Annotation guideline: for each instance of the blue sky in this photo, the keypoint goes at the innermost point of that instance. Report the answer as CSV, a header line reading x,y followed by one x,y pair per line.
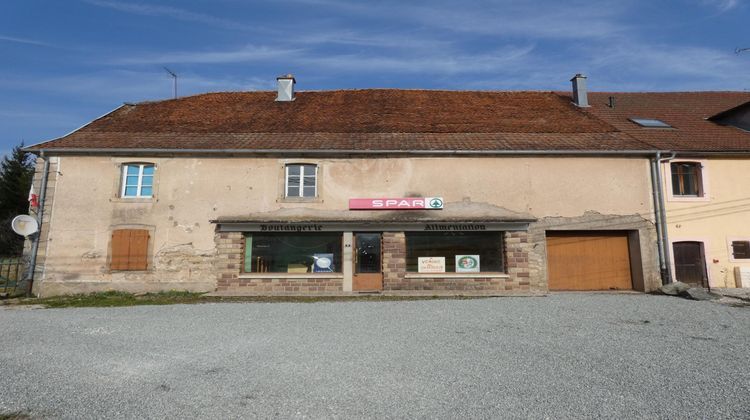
x,y
64,63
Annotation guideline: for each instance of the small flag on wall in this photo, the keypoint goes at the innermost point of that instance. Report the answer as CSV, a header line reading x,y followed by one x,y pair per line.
x,y
33,198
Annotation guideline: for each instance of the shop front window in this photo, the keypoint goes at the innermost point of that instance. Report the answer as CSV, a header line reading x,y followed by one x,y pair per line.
x,y
292,253
459,252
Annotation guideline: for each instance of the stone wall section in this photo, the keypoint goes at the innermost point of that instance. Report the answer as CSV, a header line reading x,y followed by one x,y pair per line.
x,y
394,261
229,246
517,263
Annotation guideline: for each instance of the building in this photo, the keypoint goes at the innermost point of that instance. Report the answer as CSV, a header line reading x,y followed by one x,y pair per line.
x,y
399,191
704,139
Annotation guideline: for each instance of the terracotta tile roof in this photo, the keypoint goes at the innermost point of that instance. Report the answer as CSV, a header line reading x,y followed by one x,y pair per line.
x,y
371,119
686,112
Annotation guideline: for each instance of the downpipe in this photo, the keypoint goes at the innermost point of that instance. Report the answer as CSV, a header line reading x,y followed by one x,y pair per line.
x,y
662,218
657,218
38,234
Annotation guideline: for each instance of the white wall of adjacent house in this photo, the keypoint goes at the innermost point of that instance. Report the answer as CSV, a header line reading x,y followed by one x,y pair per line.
x,y
717,219
188,192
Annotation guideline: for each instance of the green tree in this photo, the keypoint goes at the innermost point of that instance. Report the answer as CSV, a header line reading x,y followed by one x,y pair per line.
x,y
16,173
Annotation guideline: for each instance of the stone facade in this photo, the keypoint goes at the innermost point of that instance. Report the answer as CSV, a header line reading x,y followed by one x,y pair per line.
x,y
394,260
186,253
517,248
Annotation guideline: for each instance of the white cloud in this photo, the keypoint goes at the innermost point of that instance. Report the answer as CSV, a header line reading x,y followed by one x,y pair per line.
x,y
669,67
24,41
241,55
435,62
556,20
115,87
170,12
722,5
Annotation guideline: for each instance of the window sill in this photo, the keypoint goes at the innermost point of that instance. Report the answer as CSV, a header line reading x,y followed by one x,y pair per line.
x,y
688,198
147,271
456,275
290,275
300,200
133,200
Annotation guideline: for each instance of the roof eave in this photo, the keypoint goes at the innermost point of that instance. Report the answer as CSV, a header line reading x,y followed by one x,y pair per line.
x,y
319,152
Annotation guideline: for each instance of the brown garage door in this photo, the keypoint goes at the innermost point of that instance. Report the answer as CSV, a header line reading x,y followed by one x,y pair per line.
x,y
588,261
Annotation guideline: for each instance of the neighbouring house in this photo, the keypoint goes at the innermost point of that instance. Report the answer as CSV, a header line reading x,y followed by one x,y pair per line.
x,y
396,191
704,140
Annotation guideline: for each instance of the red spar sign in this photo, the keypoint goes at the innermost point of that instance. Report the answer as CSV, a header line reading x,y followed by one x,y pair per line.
x,y
407,203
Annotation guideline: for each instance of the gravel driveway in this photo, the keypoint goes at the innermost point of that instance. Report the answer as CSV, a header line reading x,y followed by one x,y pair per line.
x,y
562,356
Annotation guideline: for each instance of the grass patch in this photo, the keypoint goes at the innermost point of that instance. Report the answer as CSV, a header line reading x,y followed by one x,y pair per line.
x,y
14,416
114,299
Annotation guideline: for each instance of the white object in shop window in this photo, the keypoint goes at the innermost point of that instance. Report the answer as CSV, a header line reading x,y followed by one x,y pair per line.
x,y
431,264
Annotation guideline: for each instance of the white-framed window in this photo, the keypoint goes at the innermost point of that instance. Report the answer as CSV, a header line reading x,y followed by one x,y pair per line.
x,y
687,180
301,180
137,180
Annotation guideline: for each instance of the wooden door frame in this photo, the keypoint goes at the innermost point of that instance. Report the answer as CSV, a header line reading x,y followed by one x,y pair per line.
x,y
355,260
706,245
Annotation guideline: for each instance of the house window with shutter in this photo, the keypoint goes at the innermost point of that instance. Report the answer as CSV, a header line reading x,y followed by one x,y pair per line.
x,y
130,250
687,179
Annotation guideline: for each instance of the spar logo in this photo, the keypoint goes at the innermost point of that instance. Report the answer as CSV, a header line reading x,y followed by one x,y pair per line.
x,y
467,262
435,203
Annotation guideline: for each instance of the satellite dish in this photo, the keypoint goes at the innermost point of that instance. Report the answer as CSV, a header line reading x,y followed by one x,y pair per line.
x,y
24,225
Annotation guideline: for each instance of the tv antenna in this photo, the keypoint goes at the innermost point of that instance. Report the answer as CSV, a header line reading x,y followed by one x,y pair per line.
x,y
174,85
739,50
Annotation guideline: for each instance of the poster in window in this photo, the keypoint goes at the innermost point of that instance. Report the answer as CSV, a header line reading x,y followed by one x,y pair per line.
x,y
431,264
467,263
323,263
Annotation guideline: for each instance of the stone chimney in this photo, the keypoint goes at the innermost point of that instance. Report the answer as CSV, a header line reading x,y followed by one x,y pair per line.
x,y
580,91
285,87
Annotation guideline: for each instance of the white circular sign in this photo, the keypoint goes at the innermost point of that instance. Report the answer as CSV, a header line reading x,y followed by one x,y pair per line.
x,y
323,262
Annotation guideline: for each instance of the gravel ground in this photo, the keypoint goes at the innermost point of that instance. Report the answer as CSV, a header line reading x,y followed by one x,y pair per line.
x,y
562,356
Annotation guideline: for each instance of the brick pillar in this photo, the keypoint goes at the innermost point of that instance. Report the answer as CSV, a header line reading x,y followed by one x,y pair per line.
x,y
517,249
229,247
394,260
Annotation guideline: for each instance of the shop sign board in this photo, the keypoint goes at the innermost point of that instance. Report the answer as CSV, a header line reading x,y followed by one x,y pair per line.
x,y
406,203
467,263
359,226
431,264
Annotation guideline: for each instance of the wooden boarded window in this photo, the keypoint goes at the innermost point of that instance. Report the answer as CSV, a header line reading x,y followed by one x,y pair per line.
x,y
129,249
741,250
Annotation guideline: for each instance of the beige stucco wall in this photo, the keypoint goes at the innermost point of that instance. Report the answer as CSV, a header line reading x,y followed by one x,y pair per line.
x,y
188,192
722,215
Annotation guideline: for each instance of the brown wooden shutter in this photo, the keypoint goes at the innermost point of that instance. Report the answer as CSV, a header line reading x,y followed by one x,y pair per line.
x,y
138,250
129,249
120,249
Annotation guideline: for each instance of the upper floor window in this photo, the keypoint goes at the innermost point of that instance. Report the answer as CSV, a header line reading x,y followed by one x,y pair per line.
x,y
137,180
687,179
301,180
